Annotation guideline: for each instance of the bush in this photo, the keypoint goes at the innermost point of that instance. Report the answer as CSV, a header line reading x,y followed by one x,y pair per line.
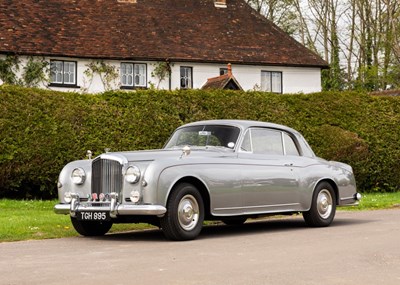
x,y
42,130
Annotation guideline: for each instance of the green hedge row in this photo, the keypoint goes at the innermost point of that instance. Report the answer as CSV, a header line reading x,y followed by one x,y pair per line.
x,y
41,130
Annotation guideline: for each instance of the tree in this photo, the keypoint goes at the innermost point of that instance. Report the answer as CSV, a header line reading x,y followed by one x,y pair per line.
x,y
360,39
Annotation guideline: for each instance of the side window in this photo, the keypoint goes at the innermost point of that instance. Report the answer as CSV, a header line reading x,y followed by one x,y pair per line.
x,y
246,144
263,141
290,146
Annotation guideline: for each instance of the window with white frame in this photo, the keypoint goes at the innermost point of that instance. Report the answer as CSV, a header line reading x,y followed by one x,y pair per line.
x,y
269,142
133,74
271,81
62,72
186,77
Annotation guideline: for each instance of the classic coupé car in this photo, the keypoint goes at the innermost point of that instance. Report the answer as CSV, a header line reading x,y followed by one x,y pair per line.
x,y
227,170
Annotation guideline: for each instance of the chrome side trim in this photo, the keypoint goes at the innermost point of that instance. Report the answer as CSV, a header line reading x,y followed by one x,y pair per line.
x,y
123,210
256,207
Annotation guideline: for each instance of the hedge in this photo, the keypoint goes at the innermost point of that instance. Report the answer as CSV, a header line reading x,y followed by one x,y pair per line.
x,y
42,130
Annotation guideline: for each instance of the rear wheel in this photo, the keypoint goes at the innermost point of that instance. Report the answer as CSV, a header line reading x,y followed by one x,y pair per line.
x,y
185,213
89,228
323,207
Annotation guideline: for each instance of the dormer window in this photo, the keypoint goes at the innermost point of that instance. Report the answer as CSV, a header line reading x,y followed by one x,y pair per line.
x,y
220,3
126,1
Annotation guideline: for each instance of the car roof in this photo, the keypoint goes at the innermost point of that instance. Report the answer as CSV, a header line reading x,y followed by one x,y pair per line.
x,y
243,124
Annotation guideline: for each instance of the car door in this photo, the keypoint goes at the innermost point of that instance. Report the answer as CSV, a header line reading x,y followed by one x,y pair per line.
x,y
269,173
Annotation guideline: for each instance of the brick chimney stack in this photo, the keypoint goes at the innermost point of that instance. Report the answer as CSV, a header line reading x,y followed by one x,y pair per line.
x,y
229,70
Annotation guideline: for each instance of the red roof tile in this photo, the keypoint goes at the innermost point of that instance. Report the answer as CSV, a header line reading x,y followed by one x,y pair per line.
x,y
220,82
178,30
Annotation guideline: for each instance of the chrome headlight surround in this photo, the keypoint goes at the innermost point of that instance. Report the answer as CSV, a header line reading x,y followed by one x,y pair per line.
x,y
78,176
132,174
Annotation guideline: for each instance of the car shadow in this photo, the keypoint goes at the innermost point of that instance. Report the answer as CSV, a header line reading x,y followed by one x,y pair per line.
x,y
220,230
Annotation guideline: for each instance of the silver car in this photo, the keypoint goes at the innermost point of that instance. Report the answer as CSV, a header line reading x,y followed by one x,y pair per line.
x,y
228,170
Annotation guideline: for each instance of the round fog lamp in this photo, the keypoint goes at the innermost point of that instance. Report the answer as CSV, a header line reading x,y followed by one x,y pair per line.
x,y
78,176
132,174
67,197
135,196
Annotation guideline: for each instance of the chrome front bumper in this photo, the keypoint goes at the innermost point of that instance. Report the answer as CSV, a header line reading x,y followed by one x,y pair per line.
x,y
351,201
114,208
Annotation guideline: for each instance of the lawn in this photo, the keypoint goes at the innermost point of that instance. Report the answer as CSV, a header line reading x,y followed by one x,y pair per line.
x,y
23,220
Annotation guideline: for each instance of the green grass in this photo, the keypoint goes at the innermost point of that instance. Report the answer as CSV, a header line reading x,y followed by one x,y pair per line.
x,y
24,220
376,201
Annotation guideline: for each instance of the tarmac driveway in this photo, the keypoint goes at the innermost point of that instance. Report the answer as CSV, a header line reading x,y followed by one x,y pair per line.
x,y
358,248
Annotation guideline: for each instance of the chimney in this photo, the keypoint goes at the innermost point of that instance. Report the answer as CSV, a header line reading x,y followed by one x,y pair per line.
x,y
220,3
229,70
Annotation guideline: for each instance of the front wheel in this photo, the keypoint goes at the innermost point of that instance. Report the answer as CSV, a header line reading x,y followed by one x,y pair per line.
x,y
185,213
323,206
89,228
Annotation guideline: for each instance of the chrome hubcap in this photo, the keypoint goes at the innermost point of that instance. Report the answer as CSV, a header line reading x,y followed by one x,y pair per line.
x,y
188,212
324,204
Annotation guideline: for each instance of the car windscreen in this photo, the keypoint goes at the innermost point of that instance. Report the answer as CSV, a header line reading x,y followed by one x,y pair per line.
x,y
205,135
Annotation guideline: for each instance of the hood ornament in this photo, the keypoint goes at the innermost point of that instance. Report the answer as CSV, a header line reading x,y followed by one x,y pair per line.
x,y
185,151
89,154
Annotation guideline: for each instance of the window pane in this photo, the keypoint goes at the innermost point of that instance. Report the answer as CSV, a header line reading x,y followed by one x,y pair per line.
x,y
290,146
205,135
223,71
186,77
140,74
56,70
267,141
127,74
277,82
69,72
266,81
246,144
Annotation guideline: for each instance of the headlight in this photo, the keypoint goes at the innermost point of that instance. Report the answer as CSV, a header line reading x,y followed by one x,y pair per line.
x,y
78,176
132,174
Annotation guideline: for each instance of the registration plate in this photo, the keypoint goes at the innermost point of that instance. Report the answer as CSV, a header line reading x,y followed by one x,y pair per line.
x,y
93,216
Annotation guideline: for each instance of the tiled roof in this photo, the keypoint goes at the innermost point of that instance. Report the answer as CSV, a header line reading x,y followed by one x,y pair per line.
x,y
220,82
178,30
225,81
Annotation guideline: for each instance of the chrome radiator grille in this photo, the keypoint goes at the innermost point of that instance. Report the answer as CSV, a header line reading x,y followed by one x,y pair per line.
x,y
106,176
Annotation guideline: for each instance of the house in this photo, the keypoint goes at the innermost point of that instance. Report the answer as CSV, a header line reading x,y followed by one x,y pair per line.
x,y
92,46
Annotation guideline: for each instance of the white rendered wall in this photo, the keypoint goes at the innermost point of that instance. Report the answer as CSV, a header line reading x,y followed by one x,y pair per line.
x,y
294,79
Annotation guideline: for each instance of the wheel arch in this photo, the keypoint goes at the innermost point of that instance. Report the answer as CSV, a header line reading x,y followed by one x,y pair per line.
x,y
334,186
201,187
